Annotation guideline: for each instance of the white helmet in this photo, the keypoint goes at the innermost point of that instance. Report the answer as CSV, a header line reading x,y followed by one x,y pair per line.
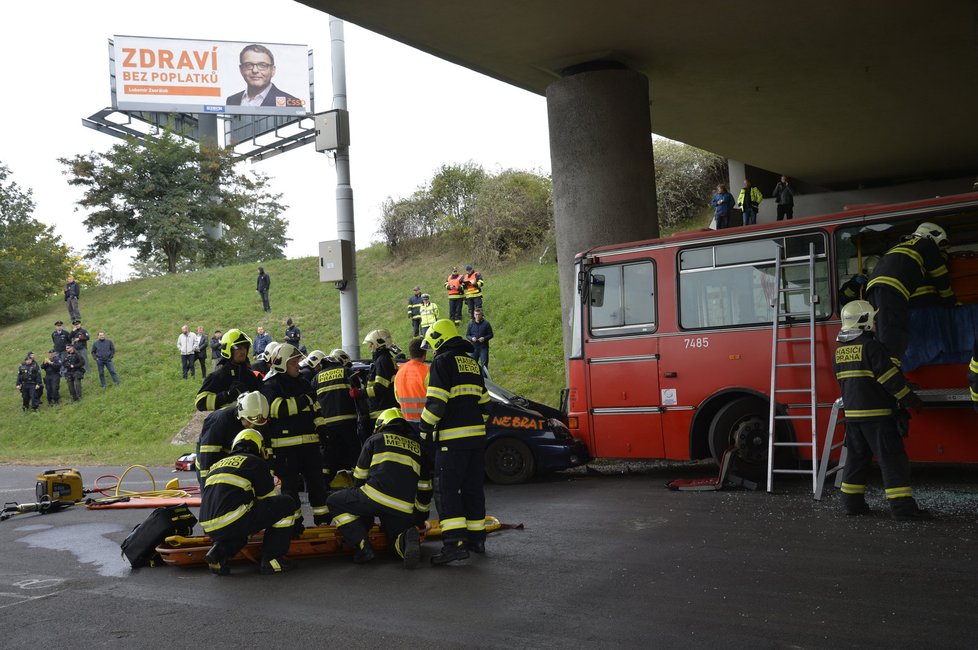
x,y
858,315
381,338
253,407
340,356
932,232
267,353
279,359
314,358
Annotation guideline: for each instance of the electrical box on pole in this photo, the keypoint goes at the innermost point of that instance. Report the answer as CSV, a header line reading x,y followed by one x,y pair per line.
x,y
336,262
332,130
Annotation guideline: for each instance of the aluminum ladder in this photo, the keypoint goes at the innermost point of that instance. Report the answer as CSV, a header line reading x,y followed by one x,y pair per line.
x,y
778,300
828,447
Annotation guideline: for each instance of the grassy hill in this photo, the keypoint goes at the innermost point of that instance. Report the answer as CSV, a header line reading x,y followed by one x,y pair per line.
x,y
134,422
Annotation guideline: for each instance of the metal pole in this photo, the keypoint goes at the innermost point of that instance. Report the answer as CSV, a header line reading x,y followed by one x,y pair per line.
x,y
345,227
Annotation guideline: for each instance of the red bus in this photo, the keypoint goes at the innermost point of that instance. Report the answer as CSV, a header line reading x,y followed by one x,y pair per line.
x,y
672,338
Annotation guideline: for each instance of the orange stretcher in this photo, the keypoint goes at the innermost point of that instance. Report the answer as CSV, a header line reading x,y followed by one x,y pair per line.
x,y
319,541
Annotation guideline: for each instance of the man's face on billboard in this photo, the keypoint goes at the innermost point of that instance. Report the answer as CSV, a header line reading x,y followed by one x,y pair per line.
x,y
257,71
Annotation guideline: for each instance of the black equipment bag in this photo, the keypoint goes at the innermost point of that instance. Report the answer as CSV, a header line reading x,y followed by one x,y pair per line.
x,y
140,546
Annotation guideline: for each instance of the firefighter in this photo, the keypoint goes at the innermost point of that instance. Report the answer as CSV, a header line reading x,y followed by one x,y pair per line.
x,y
472,286
414,311
380,381
454,417
250,411
411,384
261,361
233,375
903,270
429,313
29,383
239,499
292,415
392,482
873,389
455,296
310,366
337,421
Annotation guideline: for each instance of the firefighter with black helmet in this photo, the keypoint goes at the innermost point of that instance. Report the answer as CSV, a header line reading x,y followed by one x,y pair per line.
x,y
239,499
454,416
873,390
904,269
292,432
380,381
392,481
233,375
337,422
250,411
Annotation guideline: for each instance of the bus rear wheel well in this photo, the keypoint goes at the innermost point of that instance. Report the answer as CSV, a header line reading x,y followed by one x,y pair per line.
x,y
701,430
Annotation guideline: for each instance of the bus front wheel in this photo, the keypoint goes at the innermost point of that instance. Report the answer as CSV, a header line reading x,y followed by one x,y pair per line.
x,y
742,424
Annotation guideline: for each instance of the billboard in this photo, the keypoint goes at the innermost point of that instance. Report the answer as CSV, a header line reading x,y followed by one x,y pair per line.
x,y
196,76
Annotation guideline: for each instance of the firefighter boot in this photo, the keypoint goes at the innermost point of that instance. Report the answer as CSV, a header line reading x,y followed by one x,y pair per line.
x,y
217,563
275,565
476,547
409,547
855,504
365,553
450,552
906,509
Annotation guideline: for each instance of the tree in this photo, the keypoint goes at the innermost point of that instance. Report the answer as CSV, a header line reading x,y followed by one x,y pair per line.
x,y
453,191
34,262
512,211
159,197
685,178
260,235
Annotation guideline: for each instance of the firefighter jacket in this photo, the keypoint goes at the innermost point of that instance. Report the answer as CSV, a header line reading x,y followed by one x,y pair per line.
x,y
414,307
456,407
472,284
910,265
223,386
454,286
28,373
216,436
60,338
73,364
394,470
973,375
233,485
411,389
292,411
871,384
429,314
380,383
331,386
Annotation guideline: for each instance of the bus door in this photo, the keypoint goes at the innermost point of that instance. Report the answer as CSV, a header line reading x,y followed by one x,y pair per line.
x,y
622,360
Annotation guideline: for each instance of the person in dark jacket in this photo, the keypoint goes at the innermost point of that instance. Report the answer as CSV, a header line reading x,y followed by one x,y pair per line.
x,y
220,427
873,391
72,293
392,481
722,203
292,334
60,338
337,424
29,383
200,350
215,345
414,310
454,416
74,369
380,381
79,339
478,333
232,377
104,351
311,365
264,284
52,376
239,499
784,196
262,340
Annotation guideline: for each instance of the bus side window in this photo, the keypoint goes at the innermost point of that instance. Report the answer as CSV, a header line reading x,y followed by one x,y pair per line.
x,y
597,290
622,299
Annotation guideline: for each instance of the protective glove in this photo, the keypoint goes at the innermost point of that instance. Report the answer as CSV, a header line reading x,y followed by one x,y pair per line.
x,y
419,518
913,402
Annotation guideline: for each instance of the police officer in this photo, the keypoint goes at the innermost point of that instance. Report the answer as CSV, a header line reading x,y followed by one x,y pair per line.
x,y
79,339
60,338
903,270
52,376
292,415
233,375
380,381
239,499
414,311
74,368
292,334
872,390
337,423
429,313
454,416
29,383
250,411
392,482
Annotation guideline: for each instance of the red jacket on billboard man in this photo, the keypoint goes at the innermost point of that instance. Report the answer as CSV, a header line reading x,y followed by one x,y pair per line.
x,y
257,67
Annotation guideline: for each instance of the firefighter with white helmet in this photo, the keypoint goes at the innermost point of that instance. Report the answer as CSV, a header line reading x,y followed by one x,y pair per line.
x,y
337,414
239,499
309,366
873,392
233,375
380,381
904,270
250,411
292,432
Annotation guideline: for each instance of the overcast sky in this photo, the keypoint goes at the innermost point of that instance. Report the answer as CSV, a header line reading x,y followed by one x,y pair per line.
x,y
409,112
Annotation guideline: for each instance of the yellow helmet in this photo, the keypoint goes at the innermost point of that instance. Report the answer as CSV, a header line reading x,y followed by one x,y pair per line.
x,y
858,315
250,437
381,338
388,417
438,334
232,339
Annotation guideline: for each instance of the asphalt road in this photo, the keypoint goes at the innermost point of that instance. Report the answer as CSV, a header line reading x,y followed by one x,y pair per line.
x,y
604,561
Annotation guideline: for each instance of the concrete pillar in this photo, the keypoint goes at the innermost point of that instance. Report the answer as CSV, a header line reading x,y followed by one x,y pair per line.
x,y
601,159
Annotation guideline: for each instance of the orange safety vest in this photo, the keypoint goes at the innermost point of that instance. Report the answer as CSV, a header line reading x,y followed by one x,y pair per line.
x,y
454,286
473,289
411,389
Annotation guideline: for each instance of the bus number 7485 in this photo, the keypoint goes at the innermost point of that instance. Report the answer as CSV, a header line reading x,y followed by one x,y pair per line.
x,y
698,342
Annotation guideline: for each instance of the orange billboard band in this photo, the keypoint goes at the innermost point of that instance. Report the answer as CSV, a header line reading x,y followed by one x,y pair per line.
x,y
185,91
